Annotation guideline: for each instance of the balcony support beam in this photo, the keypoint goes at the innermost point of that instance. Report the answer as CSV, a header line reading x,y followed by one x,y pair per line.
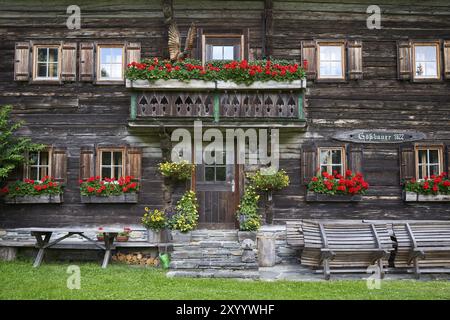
x,y
301,115
133,106
216,105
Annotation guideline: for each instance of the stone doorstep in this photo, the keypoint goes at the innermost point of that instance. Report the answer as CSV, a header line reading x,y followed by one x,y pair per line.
x,y
213,274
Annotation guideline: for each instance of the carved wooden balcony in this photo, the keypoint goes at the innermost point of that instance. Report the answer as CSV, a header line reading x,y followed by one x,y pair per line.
x,y
175,103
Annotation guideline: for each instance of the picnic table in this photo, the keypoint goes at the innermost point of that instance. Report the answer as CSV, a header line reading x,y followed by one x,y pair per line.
x,y
43,236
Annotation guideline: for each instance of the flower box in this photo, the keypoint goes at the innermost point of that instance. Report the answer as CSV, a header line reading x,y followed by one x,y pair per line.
x,y
262,85
131,197
171,84
45,198
181,237
409,196
319,197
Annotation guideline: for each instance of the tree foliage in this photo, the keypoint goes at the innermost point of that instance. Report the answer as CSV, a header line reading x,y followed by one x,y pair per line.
x,y
12,147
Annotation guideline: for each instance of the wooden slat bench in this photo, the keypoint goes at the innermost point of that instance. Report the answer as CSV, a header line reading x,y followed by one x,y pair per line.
x,y
345,247
294,234
423,246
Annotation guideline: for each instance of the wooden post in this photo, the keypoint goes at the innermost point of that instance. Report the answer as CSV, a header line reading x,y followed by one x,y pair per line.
x,y
133,106
301,115
268,28
216,107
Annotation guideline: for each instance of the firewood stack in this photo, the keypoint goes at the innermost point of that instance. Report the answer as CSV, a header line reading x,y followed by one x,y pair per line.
x,y
136,258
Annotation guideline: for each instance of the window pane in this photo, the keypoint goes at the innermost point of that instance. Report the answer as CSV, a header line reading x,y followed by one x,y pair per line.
x,y
434,156
53,70
221,174
106,158
117,172
336,156
34,173
106,172
217,53
44,158
338,169
331,61
105,55
434,170
42,70
42,55
53,55
105,71
33,156
422,171
425,53
116,71
209,173
43,172
117,158
116,55
324,156
422,156
228,53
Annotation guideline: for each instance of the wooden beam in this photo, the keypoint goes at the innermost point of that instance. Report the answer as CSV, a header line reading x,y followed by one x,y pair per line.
x,y
268,28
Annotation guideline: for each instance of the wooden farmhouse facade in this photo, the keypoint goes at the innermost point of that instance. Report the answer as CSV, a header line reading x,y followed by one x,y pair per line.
x,y
376,101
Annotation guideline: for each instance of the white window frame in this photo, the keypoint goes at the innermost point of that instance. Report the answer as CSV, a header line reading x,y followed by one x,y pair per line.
x,y
225,36
343,60
421,166
330,164
38,165
36,63
438,65
110,46
111,166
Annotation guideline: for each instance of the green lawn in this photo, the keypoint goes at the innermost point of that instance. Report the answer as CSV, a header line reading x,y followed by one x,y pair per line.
x,y
18,280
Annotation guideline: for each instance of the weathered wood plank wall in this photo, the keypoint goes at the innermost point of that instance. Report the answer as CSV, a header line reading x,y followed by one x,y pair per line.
x,y
79,114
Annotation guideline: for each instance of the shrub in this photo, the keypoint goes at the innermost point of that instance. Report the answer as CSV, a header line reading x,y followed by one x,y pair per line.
x,y
430,185
96,186
154,219
29,187
249,218
269,180
186,213
338,184
180,171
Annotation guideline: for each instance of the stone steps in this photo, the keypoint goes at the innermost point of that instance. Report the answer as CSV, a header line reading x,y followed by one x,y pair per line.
x,y
210,250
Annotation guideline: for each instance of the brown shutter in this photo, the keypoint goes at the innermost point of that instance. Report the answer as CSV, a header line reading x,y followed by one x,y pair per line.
x,y
308,163
198,54
404,60
87,61
22,61
59,164
447,59
407,163
448,159
134,160
133,52
87,164
69,62
355,158
355,70
246,43
309,54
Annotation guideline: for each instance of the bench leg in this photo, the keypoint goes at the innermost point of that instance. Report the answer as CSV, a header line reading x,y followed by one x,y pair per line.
x,y
381,267
109,240
39,258
41,242
106,259
326,269
416,268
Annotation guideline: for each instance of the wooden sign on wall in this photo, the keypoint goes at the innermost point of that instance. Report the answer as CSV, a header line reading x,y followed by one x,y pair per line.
x,y
379,136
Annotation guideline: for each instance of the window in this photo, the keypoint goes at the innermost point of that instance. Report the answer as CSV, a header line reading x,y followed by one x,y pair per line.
x,y
216,172
39,165
217,47
331,61
110,63
332,159
429,162
426,61
46,63
111,163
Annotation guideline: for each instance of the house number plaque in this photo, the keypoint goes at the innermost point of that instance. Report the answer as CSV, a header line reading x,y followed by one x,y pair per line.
x,y
379,136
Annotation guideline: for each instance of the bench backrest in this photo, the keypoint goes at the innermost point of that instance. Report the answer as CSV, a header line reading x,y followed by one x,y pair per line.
x,y
423,234
294,233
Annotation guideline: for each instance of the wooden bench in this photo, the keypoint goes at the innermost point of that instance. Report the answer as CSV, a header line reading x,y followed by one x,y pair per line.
x,y
345,247
294,234
423,246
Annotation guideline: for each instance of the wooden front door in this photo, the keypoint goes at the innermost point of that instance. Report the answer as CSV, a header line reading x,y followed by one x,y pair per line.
x,y
218,195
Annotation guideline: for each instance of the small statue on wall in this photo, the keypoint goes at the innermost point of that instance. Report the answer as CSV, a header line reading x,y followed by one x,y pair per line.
x,y
175,42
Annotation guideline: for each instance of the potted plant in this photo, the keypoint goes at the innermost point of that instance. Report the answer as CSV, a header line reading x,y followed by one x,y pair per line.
x,y
336,187
155,223
46,190
124,235
98,190
248,215
268,180
185,217
100,234
435,188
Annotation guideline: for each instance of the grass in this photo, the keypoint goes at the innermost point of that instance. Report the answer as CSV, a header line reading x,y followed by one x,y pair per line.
x,y
18,280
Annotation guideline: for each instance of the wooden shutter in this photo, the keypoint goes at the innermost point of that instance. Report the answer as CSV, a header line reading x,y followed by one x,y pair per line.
x,y
404,60
69,62
133,52
447,59
87,61
308,163
22,64
355,158
134,160
246,51
309,50
447,169
87,163
59,164
354,49
198,51
407,163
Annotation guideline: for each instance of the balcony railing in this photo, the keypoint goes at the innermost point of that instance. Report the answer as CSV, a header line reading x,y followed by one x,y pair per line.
x,y
217,101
